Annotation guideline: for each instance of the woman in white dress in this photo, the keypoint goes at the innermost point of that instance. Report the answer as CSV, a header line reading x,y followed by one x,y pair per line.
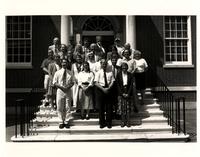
x,y
85,84
77,67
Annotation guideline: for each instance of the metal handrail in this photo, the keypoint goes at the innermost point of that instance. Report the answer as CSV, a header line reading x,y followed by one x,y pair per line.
x,y
170,104
25,110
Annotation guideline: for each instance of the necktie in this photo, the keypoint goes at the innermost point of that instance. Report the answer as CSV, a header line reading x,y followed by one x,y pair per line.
x,y
114,71
64,78
105,79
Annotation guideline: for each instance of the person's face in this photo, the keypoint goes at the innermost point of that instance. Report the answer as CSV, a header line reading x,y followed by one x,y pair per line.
x,y
69,54
126,54
86,43
64,64
92,48
124,68
91,56
63,48
114,61
137,56
78,59
86,67
127,46
79,49
117,42
50,54
103,64
57,58
55,41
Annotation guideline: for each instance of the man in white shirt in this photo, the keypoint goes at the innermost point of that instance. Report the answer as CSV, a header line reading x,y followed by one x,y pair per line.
x,y
104,81
63,80
56,46
119,47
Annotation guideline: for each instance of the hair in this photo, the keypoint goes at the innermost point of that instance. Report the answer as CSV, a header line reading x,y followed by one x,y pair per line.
x,y
87,64
137,52
126,50
124,64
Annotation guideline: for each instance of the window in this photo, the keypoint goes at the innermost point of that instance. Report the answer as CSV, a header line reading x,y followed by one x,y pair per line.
x,y
177,40
18,40
97,23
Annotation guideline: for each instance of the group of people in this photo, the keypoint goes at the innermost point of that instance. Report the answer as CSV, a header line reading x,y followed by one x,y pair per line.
x,y
87,77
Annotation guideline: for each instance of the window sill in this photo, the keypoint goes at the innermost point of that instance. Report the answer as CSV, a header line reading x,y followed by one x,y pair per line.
x,y
178,66
19,66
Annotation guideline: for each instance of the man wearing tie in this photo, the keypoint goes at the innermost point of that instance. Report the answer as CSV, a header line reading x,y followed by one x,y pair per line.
x,y
104,80
63,80
56,46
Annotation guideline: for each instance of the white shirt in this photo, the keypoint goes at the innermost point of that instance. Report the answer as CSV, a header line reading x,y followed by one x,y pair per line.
x,y
140,65
130,62
92,65
85,77
99,77
125,78
58,78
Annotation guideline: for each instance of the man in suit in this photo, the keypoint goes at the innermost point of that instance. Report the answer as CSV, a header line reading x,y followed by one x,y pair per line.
x,y
56,46
104,80
63,80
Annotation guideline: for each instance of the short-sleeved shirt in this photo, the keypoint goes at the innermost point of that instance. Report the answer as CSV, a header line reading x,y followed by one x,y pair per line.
x,y
130,63
140,65
99,77
46,63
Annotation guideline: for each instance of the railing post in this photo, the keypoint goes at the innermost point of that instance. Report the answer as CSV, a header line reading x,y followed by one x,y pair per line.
x,y
179,118
184,127
21,109
172,113
16,116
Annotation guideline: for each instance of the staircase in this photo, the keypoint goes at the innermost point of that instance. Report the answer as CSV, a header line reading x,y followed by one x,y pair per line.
x,y
147,125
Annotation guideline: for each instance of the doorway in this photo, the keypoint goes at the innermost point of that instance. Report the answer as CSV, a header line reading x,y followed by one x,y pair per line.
x,y
107,41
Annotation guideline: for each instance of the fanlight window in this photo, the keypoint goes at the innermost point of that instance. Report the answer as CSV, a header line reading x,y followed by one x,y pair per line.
x,y
97,23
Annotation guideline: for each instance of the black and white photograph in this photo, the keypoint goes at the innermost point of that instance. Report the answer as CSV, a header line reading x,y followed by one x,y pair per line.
x,y
95,77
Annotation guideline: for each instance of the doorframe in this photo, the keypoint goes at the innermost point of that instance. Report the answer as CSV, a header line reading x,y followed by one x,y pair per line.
x,y
96,33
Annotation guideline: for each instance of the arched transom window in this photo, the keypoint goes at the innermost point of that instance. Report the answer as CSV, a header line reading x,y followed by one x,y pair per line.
x,y
97,23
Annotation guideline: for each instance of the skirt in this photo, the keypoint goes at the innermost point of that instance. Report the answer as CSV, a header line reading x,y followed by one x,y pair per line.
x,y
140,81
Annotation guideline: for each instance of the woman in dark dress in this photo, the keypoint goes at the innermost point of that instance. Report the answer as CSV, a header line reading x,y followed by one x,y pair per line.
x,y
125,88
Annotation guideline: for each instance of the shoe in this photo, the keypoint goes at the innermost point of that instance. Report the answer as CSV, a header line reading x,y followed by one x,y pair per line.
x,y
109,126
87,117
61,126
122,125
82,117
67,126
102,126
128,125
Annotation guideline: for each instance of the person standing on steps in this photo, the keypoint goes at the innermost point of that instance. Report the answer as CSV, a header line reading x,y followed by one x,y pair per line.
x,y
125,88
52,68
141,67
85,84
44,66
63,80
56,46
104,80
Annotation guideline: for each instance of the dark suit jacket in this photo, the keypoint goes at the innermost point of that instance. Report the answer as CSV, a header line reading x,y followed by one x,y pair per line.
x,y
120,87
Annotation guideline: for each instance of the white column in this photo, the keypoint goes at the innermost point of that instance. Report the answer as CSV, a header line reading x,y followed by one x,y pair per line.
x,y
131,31
65,29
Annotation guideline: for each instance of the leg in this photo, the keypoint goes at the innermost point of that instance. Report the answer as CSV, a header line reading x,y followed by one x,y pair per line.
x,y
101,105
109,112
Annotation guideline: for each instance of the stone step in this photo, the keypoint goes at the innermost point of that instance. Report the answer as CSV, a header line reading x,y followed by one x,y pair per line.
x,y
94,121
143,113
141,107
94,129
139,137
